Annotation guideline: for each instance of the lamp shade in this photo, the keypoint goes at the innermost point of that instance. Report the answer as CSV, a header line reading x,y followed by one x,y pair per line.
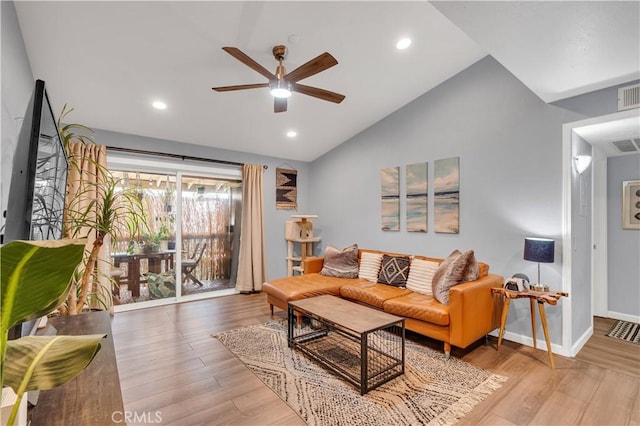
x,y
539,249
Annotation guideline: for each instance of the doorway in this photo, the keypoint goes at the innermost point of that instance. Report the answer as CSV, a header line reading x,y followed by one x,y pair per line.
x,y
599,132
188,248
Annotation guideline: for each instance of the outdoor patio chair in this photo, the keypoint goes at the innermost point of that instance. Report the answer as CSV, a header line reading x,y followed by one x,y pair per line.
x,y
189,265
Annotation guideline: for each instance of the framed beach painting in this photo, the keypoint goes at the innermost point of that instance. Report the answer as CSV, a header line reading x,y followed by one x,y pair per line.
x,y
417,198
631,204
446,188
390,198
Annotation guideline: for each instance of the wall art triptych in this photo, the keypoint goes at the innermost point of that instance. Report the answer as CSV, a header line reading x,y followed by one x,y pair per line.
x,y
446,191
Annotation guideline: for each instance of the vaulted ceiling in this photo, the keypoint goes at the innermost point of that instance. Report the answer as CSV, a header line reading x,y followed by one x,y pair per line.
x,y
111,60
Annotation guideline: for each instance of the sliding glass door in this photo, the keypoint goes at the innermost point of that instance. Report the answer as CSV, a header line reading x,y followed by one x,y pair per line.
x,y
188,244
210,209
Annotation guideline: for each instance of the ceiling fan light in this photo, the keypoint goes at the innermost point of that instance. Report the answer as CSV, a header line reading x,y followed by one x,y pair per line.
x,y
280,89
280,92
403,43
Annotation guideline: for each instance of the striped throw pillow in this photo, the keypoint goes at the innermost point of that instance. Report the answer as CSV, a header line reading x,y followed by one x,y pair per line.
x,y
369,266
421,276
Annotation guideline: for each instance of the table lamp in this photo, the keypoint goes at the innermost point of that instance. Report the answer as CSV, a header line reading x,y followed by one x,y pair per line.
x,y
539,250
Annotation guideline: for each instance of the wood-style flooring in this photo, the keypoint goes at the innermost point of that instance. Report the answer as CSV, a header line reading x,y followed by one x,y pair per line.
x,y
173,372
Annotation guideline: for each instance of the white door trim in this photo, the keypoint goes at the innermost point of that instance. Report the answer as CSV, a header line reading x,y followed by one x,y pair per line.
x,y
567,237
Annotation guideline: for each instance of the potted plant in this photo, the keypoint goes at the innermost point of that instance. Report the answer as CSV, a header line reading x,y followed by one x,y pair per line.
x,y
102,208
35,278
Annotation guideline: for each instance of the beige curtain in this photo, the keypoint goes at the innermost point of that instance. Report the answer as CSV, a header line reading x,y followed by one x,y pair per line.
x,y
252,268
84,164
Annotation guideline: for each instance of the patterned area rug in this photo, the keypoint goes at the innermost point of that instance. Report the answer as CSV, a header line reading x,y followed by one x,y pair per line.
x,y
433,390
625,330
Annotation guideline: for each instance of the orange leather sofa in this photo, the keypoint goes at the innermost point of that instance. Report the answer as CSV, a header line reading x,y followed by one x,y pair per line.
x,y
472,312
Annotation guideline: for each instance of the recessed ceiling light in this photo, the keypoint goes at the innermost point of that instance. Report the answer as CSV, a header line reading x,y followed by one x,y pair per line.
x,y
159,105
292,133
403,43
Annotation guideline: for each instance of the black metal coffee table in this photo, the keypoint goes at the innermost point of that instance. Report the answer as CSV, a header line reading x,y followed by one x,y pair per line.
x,y
363,345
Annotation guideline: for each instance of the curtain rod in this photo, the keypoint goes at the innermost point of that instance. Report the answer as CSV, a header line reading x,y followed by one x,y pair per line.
x,y
181,157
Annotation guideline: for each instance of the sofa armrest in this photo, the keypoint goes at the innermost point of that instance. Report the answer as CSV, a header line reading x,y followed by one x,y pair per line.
x,y
312,264
473,310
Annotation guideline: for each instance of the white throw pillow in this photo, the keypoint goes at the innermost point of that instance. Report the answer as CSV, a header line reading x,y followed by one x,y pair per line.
x,y
420,276
370,266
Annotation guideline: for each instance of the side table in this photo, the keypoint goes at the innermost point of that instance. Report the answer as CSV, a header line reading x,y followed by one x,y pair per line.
x,y
542,297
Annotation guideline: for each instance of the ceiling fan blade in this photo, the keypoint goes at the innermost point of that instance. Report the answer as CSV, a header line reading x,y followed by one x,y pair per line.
x,y
318,93
279,104
239,55
314,66
240,87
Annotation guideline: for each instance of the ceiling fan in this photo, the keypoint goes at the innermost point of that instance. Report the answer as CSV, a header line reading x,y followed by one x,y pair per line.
x,y
282,83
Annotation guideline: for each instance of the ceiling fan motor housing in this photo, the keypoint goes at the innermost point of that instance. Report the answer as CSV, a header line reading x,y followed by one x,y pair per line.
x,y
279,52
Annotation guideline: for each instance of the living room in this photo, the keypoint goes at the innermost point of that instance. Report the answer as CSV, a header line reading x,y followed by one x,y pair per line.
x,y
516,178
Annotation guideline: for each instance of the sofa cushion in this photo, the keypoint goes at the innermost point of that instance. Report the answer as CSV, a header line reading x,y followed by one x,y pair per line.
x,y
369,266
371,293
161,285
394,270
343,264
455,269
418,306
421,276
303,286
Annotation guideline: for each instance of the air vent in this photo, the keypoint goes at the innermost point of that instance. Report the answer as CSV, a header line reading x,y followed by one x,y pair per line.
x,y
627,145
629,97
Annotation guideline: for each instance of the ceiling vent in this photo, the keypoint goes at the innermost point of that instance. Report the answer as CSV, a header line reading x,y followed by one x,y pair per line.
x,y
629,97
627,145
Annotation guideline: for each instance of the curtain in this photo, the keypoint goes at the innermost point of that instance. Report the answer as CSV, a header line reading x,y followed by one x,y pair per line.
x,y
252,268
85,162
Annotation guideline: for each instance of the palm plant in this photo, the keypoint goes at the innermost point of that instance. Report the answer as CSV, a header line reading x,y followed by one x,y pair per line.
x,y
102,207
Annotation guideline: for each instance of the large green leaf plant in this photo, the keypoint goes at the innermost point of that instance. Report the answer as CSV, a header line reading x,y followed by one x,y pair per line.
x,y
36,277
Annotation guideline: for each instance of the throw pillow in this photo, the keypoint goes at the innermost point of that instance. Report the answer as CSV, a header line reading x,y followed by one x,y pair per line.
x,y
455,269
340,263
394,270
369,266
162,285
421,276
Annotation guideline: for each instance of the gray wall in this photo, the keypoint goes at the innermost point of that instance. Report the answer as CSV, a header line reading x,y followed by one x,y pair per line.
x,y
623,244
593,104
509,144
581,191
275,219
17,88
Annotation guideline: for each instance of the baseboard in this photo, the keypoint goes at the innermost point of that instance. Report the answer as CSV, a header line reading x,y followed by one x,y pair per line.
x,y
541,344
581,341
623,317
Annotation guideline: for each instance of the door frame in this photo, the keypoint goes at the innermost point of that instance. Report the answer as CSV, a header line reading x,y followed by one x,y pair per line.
x,y
599,256
122,161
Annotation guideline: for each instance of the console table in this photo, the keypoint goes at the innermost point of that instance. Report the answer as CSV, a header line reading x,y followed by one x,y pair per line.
x,y
93,396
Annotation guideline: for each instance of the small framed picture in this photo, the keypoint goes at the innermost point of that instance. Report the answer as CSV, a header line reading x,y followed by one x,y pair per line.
x,y
631,204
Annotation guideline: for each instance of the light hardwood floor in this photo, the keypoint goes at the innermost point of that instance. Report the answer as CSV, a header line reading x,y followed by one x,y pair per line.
x,y
169,364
